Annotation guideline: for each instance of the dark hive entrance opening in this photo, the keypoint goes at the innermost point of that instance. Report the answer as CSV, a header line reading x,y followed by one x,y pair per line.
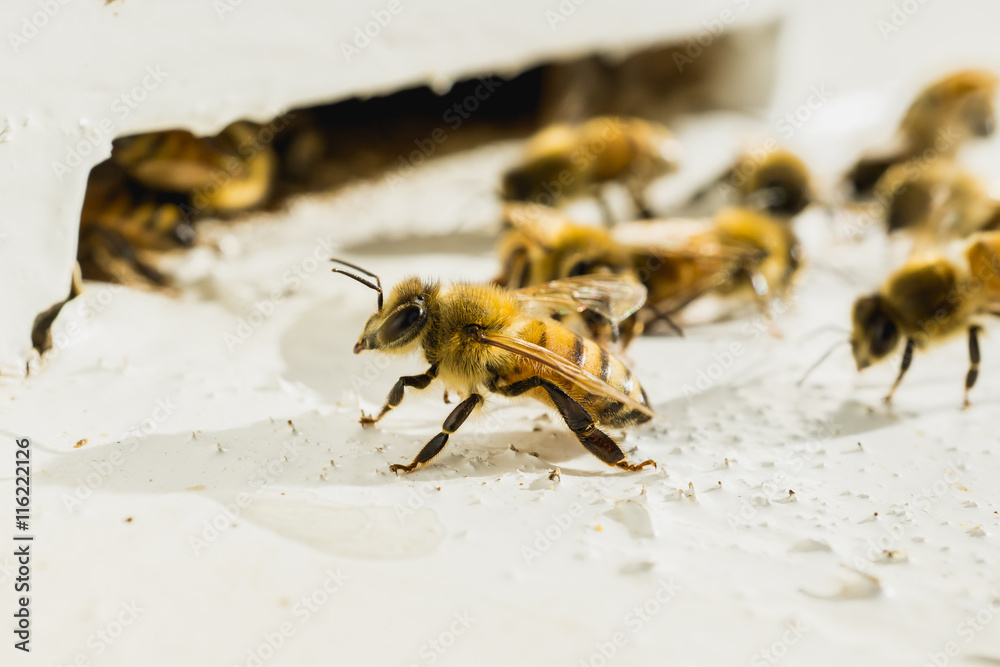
x,y
150,196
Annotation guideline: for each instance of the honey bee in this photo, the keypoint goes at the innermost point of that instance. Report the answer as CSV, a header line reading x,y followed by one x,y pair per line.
x,y
563,162
120,220
738,252
942,118
939,198
227,173
481,339
156,186
929,299
776,182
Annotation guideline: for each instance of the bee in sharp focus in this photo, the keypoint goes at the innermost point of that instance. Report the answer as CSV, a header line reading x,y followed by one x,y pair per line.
x,y
776,182
942,118
564,162
940,199
481,339
928,300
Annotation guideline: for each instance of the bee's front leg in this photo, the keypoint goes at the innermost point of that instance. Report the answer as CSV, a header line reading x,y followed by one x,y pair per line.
x,y
396,394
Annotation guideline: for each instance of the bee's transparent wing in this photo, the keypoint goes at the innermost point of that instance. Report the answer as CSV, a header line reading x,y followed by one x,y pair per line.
x,y
614,297
561,367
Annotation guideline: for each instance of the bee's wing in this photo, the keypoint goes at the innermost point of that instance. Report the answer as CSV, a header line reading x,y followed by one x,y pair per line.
x,y
614,297
561,367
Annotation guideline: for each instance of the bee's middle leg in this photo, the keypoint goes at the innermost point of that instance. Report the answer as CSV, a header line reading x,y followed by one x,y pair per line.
x,y
607,214
396,393
437,443
637,192
579,421
903,367
973,374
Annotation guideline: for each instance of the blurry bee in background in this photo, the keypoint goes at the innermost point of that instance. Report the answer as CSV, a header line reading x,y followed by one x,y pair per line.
x,y
480,339
942,118
737,253
678,261
156,186
939,199
539,245
929,299
774,181
223,174
565,162
120,220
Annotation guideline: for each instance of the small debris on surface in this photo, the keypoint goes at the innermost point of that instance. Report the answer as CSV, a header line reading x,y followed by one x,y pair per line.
x,y
80,443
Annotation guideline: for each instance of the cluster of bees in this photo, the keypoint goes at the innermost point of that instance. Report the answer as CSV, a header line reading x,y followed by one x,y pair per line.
x,y
570,297
568,293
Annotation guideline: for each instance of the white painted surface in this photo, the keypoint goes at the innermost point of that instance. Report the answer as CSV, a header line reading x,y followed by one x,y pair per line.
x,y
747,558
85,76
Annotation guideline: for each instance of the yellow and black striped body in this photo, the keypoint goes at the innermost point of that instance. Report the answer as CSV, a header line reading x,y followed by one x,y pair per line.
x,y
591,358
478,339
466,366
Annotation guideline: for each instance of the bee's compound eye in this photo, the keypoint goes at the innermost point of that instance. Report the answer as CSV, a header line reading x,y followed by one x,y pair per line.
x,y
400,322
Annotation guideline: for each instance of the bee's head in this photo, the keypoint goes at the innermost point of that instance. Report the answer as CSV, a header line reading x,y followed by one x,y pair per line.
x,y
874,334
964,99
397,324
781,184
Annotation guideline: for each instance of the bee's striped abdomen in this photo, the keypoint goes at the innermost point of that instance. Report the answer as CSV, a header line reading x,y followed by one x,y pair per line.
x,y
595,360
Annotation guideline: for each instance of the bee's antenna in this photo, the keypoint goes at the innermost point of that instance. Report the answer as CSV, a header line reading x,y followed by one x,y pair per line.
x,y
826,355
377,285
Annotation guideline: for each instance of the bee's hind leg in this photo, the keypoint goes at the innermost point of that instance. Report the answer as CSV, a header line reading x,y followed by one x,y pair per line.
x,y
973,374
437,443
579,421
396,393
